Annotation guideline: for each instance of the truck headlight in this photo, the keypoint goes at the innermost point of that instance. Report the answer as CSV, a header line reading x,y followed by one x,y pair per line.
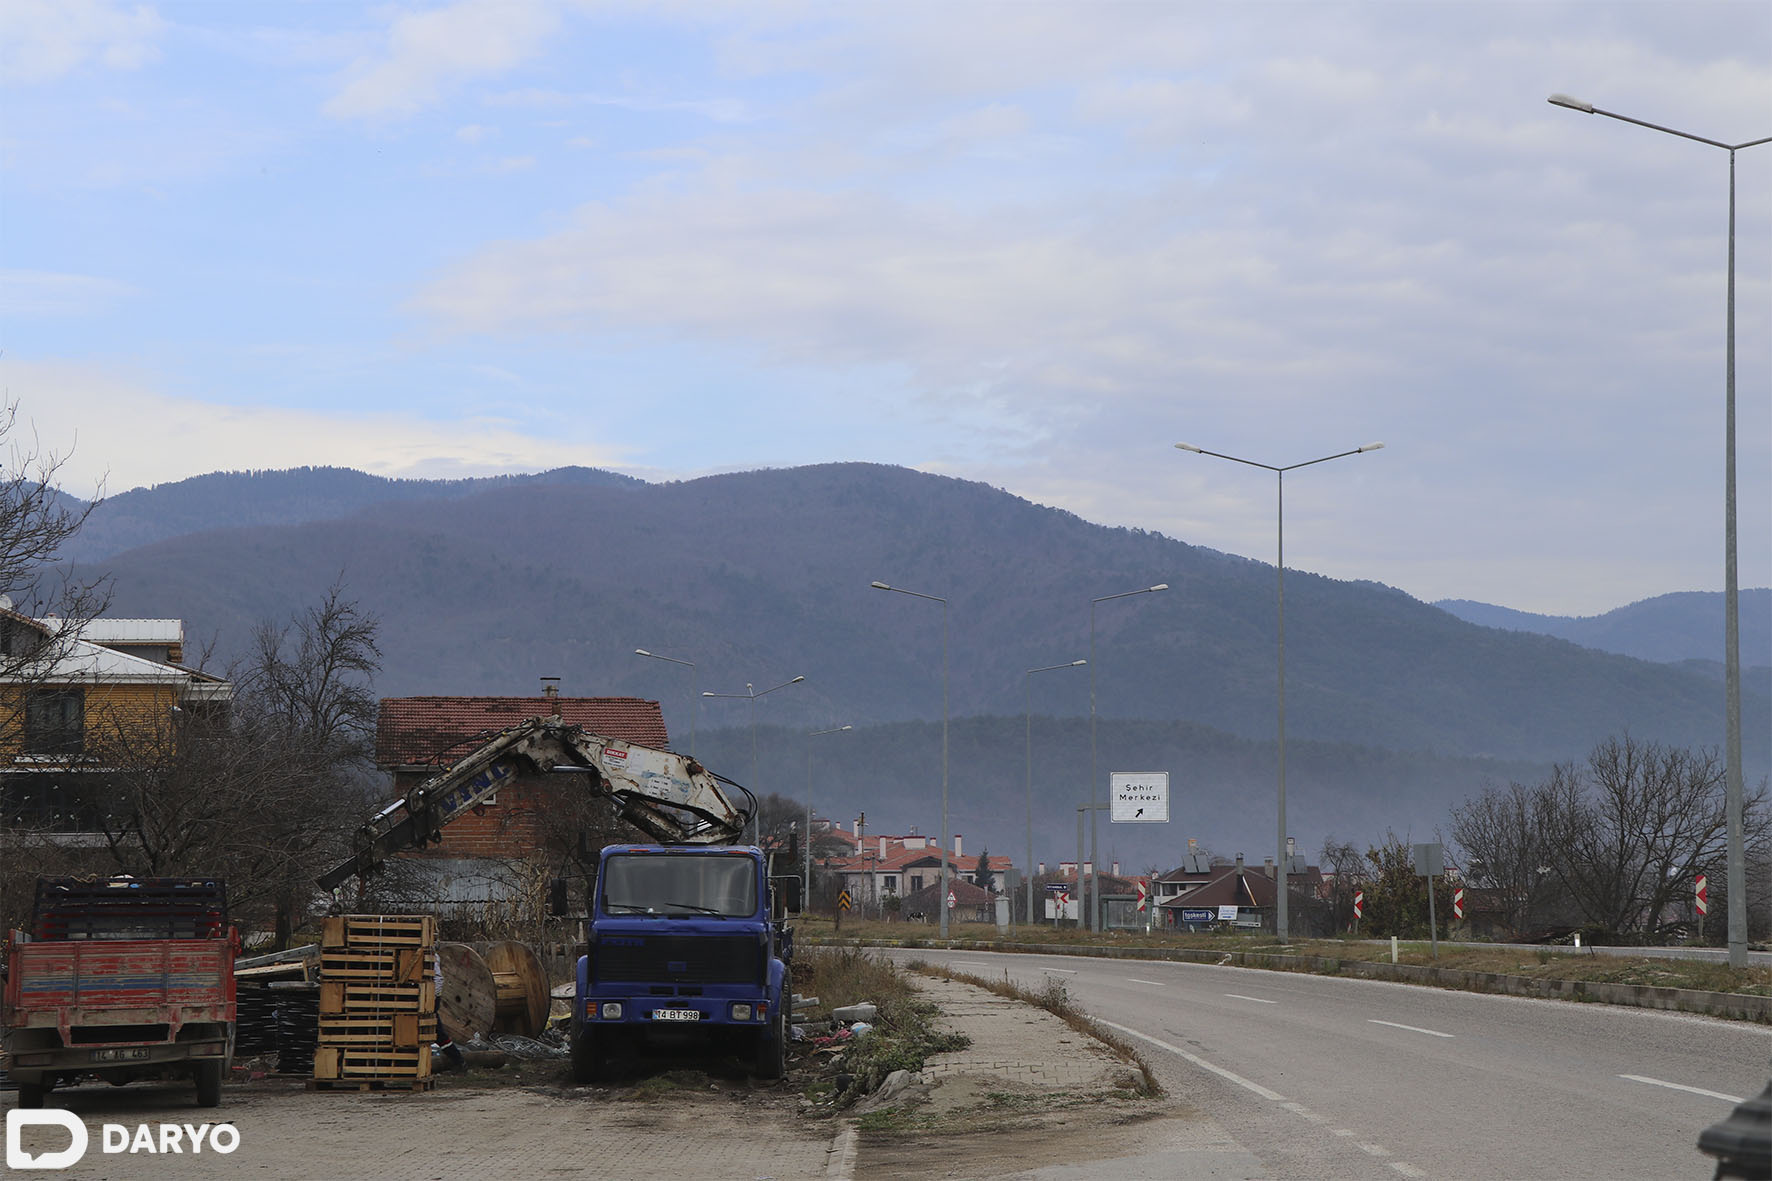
x,y
741,1011
611,1011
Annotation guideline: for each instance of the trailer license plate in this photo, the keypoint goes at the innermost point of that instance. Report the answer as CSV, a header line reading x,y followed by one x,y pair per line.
x,y
119,1055
676,1014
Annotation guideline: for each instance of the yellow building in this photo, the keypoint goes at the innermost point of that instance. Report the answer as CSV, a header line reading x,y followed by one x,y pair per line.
x,y
75,709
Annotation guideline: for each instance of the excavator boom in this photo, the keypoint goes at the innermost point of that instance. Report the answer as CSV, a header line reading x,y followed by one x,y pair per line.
x,y
670,797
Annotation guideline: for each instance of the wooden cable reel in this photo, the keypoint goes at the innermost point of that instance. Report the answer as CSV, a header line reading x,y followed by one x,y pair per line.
x,y
522,983
503,991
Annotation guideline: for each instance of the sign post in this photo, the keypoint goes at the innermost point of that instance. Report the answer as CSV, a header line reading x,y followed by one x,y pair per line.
x,y
1430,861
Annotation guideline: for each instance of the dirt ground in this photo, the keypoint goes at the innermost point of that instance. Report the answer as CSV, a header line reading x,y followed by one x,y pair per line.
x,y
529,1120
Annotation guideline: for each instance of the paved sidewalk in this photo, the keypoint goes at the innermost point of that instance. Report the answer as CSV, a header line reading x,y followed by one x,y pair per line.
x,y
1016,1042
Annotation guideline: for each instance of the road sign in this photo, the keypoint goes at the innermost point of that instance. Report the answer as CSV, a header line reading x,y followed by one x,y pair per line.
x,y
1144,895
1430,860
950,900
843,902
1227,914
1198,914
1138,797
1359,904
1703,895
1458,902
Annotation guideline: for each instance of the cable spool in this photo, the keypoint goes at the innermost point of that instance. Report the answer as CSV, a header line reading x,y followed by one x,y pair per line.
x,y
521,983
467,1002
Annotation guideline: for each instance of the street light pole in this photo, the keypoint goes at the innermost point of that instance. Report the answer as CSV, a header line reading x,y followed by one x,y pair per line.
x,y
1732,800
1097,806
694,701
1281,926
942,906
1028,683
808,869
751,695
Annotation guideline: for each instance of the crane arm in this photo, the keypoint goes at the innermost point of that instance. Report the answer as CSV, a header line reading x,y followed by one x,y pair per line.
x,y
670,797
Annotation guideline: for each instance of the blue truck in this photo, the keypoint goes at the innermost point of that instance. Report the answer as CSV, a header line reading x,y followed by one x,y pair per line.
x,y
687,943
687,947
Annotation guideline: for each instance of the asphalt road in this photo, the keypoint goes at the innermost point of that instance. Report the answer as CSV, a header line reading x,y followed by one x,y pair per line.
x,y
1327,1077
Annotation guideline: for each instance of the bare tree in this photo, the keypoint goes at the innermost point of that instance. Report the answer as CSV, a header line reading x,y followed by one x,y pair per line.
x,y
1503,839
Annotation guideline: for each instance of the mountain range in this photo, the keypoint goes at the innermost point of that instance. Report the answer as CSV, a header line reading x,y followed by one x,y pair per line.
x,y
1394,706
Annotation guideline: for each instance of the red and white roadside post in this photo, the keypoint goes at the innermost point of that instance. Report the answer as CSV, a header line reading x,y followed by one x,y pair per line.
x,y
1701,903
1458,902
1359,907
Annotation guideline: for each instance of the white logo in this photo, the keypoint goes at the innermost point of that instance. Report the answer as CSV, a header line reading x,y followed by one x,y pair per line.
x,y
171,1138
17,1120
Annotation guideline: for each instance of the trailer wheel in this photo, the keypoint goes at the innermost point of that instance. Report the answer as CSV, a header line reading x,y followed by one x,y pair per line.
x,y
30,1094
209,1082
772,1039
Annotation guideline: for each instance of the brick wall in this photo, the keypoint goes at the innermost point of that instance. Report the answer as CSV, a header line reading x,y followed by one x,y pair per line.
x,y
509,828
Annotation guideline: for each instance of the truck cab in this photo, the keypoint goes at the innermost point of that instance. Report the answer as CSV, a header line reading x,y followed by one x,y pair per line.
x,y
686,947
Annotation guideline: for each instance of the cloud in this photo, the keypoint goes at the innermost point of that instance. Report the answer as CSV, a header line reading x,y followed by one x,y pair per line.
x,y
112,427
41,40
429,53
45,293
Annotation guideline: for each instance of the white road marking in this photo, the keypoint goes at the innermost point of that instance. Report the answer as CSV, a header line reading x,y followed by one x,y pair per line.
x,y
1136,980
1655,1082
1343,1132
1375,1150
1407,1170
1061,971
1307,1113
1411,1028
969,964
1221,1072
1258,1000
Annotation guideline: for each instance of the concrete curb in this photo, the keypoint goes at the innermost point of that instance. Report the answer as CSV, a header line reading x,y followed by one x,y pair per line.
x,y
1735,1005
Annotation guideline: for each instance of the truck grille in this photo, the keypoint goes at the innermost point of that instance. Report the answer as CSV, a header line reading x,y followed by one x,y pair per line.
x,y
680,959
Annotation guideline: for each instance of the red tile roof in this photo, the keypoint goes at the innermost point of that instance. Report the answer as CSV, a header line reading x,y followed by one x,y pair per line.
x,y
430,731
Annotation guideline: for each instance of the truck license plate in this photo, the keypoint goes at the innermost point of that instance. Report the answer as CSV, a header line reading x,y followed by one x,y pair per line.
x,y
676,1014
119,1055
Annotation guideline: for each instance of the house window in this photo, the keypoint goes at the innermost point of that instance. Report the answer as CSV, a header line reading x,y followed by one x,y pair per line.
x,y
55,721
916,882
892,883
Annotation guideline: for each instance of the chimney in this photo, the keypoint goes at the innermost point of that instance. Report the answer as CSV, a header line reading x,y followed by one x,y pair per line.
x,y
550,689
1116,869
1042,869
959,845
1267,866
860,823
882,848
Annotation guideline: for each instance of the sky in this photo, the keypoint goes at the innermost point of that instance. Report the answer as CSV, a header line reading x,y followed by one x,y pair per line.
x,y
1031,244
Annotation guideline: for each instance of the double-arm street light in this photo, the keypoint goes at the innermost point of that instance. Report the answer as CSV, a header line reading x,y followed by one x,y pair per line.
x,y
1028,682
942,904
1098,805
1281,926
751,695
694,702
808,859
1732,804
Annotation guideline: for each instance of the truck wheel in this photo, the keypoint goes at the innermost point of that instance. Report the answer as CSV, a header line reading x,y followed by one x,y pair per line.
x,y
587,1057
772,1039
30,1094
209,1082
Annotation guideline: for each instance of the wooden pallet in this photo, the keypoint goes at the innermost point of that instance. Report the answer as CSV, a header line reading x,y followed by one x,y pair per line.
x,y
387,1030
374,1062
371,1084
390,965
370,931
343,996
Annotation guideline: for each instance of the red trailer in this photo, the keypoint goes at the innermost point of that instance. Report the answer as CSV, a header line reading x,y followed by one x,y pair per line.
x,y
122,978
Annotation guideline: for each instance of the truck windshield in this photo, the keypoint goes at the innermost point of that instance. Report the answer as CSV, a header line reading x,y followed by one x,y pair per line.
x,y
676,883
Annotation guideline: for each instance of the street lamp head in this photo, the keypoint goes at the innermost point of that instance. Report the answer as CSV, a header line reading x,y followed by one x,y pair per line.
x,y
1158,587
796,680
845,727
641,652
879,586
1189,447
1372,447
1574,104
1078,663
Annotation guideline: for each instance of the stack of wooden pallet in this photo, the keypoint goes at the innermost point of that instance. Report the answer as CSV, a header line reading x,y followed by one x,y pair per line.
x,y
378,1003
